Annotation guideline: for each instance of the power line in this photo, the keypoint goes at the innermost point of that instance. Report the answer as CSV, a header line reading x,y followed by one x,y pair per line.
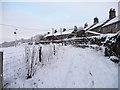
x,y
28,28
16,27
21,27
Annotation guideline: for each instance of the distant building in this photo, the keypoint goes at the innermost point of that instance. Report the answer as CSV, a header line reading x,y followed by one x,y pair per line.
x,y
85,25
111,25
81,33
91,33
65,33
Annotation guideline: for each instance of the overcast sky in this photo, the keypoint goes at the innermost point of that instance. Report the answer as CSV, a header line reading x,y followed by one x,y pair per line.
x,y
39,17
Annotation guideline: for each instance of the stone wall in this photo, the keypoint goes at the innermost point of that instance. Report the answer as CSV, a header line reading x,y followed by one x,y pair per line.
x,y
112,46
113,28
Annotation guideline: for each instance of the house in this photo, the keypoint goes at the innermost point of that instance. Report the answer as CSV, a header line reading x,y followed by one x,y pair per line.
x,y
96,21
82,32
91,33
49,36
62,34
111,25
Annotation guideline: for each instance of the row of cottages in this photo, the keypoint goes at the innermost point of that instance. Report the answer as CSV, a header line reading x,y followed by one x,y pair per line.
x,y
111,25
61,34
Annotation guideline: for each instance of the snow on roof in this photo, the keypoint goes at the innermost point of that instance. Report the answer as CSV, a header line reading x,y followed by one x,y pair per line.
x,y
118,33
113,20
49,34
80,28
93,32
108,35
68,31
88,27
98,24
94,25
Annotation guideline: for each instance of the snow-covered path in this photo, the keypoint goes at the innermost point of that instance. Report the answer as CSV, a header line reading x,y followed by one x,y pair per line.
x,y
72,67
76,68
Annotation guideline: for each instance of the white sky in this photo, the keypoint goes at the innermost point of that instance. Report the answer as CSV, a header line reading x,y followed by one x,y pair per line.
x,y
60,0
40,17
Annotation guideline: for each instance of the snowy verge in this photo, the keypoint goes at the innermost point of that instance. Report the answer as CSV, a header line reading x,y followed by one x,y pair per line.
x,y
73,67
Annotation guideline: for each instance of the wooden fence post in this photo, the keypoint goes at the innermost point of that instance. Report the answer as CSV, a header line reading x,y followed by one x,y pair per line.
x,y
54,49
1,70
40,59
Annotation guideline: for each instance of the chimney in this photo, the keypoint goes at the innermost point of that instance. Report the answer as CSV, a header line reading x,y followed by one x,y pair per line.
x,y
75,28
96,20
85,25
112,13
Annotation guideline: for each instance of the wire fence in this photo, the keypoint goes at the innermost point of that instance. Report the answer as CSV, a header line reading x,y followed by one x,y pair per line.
x,y
1,70
14,65
23,61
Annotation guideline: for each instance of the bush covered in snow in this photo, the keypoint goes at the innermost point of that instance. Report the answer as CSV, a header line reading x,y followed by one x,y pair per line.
x,y
113,46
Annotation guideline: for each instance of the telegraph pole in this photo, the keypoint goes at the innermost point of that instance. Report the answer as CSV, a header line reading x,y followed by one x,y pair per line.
x,y
52,34
15,33
61,36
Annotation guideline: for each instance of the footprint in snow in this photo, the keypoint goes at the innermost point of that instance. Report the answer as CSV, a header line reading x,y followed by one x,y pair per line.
x,y
90,73
73,83
92,83
41,82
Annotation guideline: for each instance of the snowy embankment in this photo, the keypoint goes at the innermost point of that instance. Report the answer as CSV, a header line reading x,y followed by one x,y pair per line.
x,y
14,65
72,67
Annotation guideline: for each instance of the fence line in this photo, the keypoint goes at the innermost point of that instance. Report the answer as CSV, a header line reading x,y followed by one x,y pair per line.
x,y
14,65
1,70
24,63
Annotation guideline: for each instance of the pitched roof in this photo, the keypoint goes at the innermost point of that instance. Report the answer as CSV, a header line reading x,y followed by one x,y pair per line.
x,y
68,31
79,29
91,25
100,24
49,34
116,19
93,32
106,22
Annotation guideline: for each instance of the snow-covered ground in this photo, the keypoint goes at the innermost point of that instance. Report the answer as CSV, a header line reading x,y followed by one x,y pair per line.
x,y
13,64
70,67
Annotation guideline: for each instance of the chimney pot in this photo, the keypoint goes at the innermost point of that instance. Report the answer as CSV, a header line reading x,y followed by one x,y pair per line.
x,y
112,13
96,20
85,25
